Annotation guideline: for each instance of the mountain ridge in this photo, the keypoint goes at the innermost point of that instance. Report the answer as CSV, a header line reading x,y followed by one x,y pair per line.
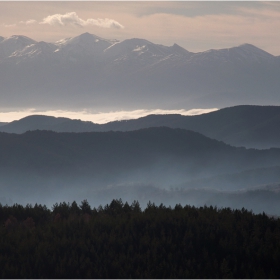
x,y
87,70
244,125
45,165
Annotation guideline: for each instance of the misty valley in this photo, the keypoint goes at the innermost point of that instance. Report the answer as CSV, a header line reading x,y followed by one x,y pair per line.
x,y
47,160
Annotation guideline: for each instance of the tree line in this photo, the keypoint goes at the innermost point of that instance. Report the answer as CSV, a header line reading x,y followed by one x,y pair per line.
x,y
120,240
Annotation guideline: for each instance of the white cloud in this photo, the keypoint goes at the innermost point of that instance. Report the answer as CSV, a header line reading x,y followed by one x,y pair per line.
x,y
98,117
73,19
31,21
28,22
9,25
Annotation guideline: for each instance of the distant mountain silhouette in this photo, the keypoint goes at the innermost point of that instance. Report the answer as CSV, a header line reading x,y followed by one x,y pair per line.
x,y
160,153
90,71
249,126
40,122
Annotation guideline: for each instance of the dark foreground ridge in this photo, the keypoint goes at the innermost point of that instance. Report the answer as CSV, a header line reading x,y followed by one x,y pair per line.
x,y
122,241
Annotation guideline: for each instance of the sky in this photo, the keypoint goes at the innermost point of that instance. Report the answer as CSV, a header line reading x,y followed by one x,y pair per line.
x,y
196,26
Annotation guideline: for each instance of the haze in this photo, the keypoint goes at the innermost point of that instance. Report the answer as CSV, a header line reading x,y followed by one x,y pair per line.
x,y
97,117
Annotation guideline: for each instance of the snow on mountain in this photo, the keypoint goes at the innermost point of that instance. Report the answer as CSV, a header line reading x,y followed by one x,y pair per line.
x,y
139,49
144,52
88,69
38,50
12,44
85,45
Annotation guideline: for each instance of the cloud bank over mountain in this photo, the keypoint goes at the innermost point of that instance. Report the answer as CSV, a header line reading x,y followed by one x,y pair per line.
x,y
97,117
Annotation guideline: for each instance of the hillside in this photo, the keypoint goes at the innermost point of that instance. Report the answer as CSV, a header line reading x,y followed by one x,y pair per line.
x,y
248,126
40,122
46,166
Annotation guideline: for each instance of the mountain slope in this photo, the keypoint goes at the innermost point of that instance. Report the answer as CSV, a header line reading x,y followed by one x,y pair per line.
x,y
177,152
46,167
40,122
249,126
87,71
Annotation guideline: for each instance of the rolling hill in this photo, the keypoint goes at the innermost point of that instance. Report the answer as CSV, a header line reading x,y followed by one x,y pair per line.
x,y
248,126
47,166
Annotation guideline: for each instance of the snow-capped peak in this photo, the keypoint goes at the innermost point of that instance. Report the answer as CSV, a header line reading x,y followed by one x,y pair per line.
x,y
19,40
83,39
83,45
14,43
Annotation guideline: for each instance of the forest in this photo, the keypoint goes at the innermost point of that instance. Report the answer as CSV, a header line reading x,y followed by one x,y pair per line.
x,y
121,240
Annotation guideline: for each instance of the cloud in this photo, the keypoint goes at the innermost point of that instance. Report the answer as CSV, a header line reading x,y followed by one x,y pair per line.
x,y
31,21
73,19
9,25
101,117
28,22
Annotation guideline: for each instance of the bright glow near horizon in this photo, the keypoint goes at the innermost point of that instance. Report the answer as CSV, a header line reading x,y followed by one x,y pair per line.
x,y
101,117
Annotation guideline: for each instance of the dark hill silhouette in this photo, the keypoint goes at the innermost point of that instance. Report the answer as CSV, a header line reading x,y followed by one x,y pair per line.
x,y
48,166
41,122
249,126
95,154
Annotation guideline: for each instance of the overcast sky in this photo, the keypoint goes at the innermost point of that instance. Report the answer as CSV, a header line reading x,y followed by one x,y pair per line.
x,y
196,26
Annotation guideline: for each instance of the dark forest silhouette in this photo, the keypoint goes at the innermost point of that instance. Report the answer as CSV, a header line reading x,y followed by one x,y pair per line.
x,y
120,240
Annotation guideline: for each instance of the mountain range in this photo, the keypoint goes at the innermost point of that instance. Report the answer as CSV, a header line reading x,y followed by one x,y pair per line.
x,y
89,71
247,126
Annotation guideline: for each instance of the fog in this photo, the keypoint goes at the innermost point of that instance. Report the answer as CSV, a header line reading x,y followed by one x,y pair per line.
x,y
260,200
169,188
94,115
161,165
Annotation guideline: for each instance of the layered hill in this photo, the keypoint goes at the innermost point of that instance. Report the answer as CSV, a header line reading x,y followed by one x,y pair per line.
x,y
90,71
45,165
248,126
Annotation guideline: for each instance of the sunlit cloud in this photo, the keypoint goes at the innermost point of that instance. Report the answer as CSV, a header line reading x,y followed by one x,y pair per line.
x,y
31,21
9,25
73,19
101,117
